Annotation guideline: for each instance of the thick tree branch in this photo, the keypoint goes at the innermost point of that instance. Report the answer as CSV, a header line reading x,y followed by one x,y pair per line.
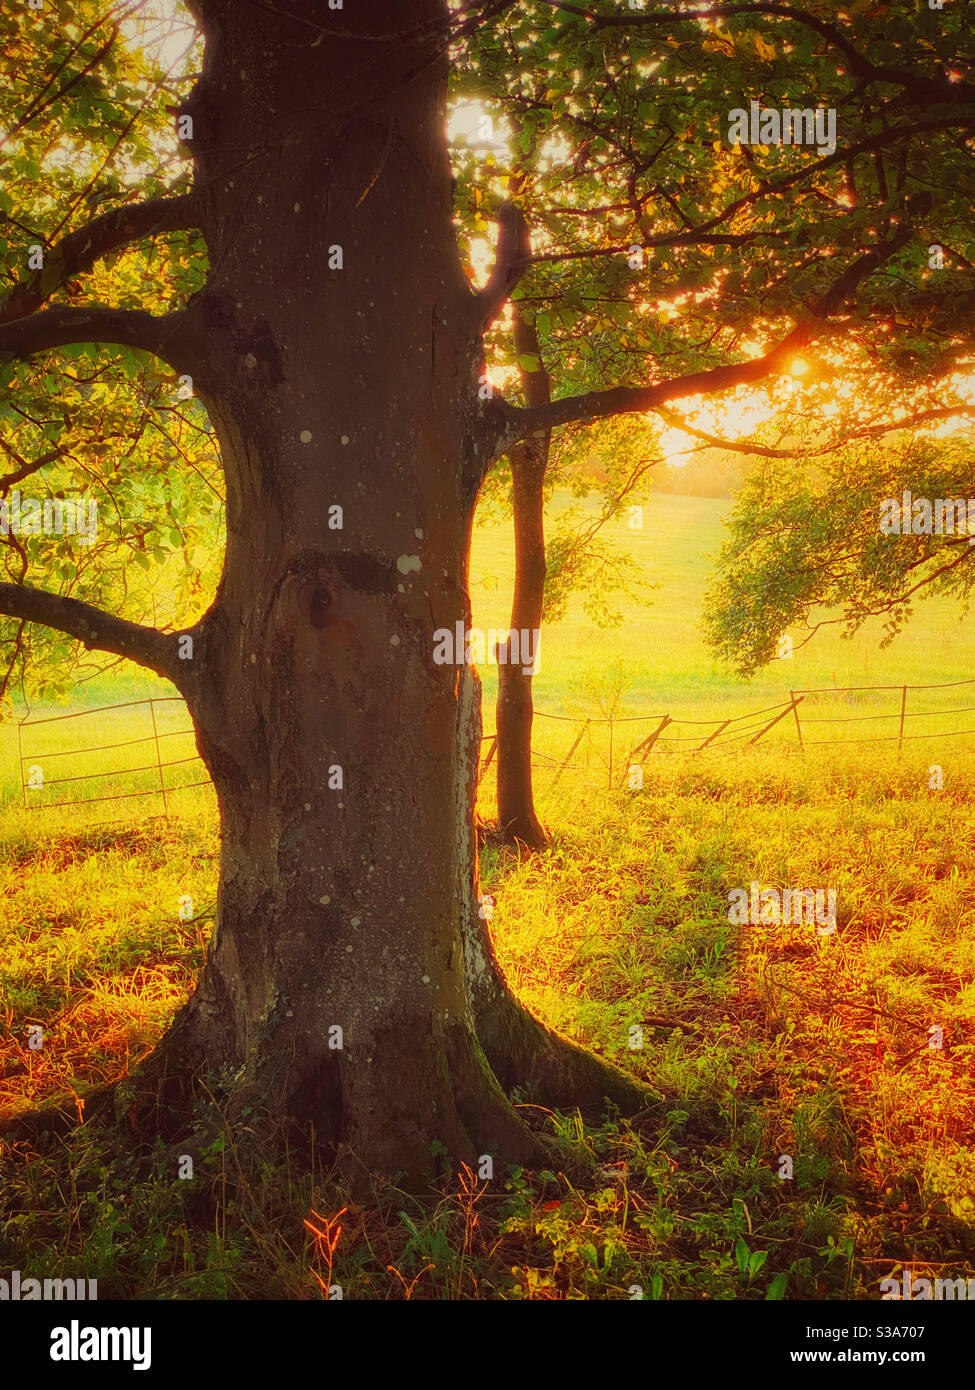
x,y
78,251
93,323
621,400
24,468
98,630
665,239
510,262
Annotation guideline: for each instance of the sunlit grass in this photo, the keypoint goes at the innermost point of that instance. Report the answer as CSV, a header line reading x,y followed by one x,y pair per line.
x,y
776,1044
760,1042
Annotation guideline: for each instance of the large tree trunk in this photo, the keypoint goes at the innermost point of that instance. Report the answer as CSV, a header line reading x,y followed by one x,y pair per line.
x,y
514,710
342,754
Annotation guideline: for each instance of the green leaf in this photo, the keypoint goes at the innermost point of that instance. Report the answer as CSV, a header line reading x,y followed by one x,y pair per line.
x,y
777,1288
529,363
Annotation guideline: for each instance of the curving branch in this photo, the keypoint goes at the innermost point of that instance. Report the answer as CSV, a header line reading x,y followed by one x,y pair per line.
x,y
94,323
650,243
42,101
24,468
510,262
97,629
622,400
77,252
828,446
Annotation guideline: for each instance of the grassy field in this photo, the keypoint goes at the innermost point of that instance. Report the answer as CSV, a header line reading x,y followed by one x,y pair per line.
x,y
666,665
760,1043
655,663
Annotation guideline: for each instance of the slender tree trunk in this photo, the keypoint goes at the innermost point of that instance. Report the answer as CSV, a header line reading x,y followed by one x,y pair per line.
x,y
517,820
339,989
546,1067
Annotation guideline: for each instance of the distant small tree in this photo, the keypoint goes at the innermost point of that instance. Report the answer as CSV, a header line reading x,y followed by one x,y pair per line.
x,y
830,540
645,237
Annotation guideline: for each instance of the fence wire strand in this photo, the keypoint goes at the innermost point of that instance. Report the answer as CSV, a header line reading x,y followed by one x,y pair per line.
x,y
729,732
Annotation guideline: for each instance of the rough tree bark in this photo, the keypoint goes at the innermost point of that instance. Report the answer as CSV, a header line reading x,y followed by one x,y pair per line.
x,y
338,346
341,753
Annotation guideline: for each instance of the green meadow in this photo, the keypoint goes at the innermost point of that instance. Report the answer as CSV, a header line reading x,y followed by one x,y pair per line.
x,y
653,663
851,1055
666,663
656,663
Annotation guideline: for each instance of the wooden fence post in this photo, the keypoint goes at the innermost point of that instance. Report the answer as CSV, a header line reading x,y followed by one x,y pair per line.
x,y
487,761
645,746
900,737
711,737
569,755
20,750
162,782
795,710
781,715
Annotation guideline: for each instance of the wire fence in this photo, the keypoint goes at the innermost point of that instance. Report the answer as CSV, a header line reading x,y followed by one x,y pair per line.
x,y
604,741
597,740
166,718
